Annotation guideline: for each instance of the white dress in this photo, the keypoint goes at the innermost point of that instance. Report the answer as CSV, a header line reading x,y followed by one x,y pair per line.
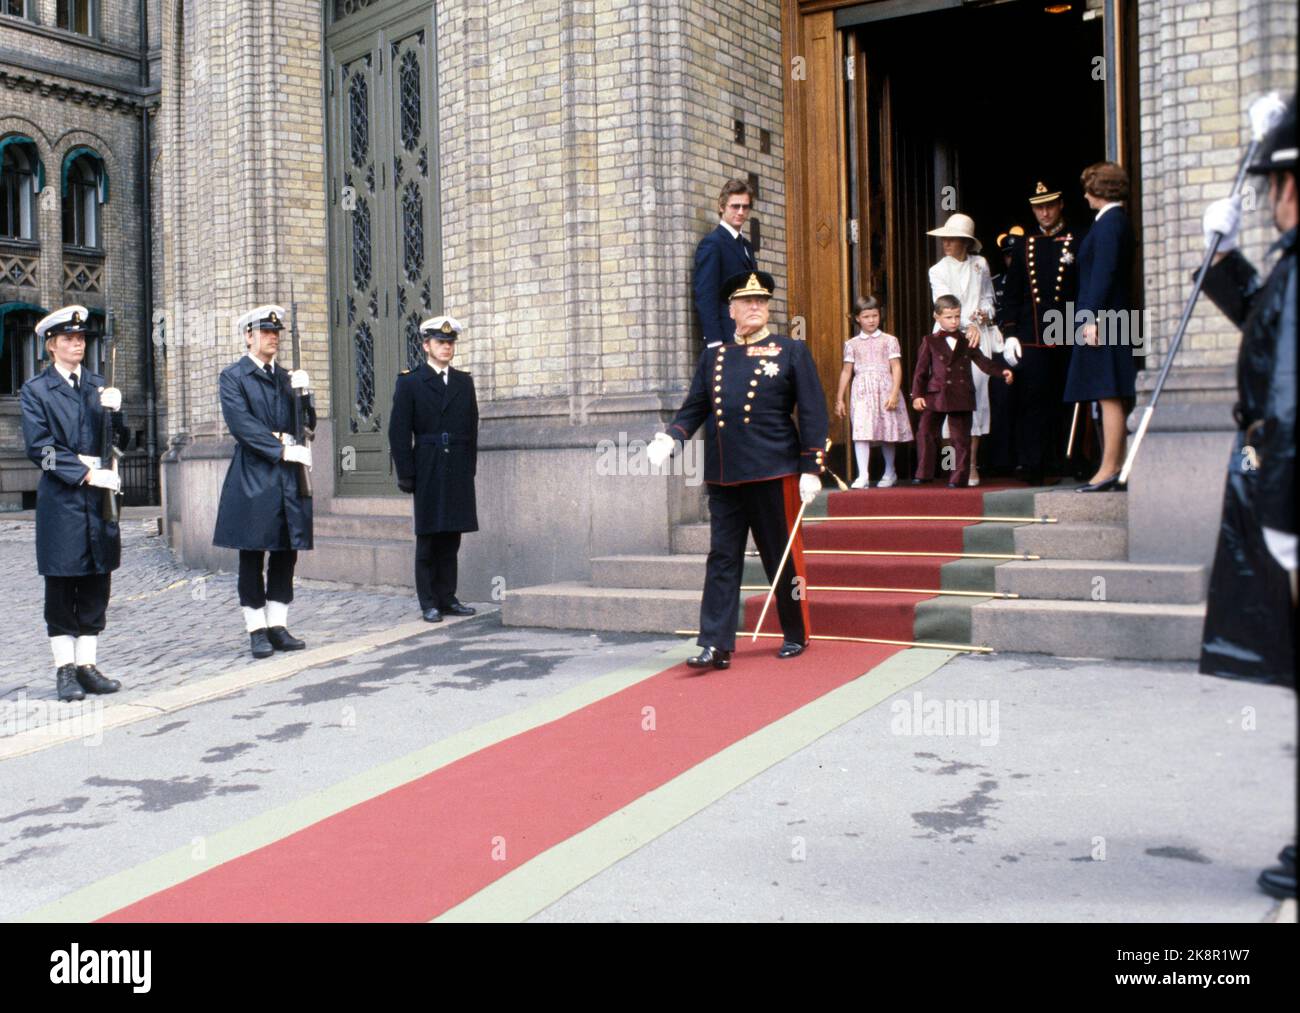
x,y
969,280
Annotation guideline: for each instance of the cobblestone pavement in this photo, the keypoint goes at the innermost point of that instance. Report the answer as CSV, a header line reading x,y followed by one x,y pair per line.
x,y
167,624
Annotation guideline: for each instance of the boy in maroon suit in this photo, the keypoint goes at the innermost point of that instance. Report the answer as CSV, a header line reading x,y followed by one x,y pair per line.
x,y
942,386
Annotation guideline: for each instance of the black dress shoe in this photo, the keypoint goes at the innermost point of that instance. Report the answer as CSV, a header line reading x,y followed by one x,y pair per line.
x,y
457,609
69,688
260,644
710,657
282,640
789,649
956,485
94,681
1112,484
922,481
1279,883
431,616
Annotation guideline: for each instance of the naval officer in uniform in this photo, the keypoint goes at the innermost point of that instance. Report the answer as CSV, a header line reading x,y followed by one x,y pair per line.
x,y
757,465
1042,278
77,547
262,512
433,437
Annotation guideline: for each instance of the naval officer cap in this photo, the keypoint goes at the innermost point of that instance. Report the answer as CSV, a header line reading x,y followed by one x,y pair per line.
x,y
68,320
749,283
265,318
444,328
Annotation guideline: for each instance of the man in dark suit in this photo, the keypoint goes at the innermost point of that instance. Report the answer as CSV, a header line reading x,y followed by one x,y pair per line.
x,y
722,254
77,547
756,464
1041,279
433,436
262,511
942,386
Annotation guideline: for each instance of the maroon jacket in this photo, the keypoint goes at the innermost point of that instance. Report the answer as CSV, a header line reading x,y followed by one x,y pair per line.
x,y
942,376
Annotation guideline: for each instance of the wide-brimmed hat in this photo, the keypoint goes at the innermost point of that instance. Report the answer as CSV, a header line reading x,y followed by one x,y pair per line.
x,y
958,227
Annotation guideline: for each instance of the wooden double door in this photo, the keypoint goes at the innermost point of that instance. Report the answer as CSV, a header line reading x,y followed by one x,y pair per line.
x,y
385,244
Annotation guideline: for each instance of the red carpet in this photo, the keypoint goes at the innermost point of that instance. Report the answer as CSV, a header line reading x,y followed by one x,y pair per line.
x,y
871,614
415,851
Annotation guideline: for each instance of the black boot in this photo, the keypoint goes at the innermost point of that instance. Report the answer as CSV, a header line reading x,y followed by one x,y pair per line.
x,y
69,688
260,645
710,657
282,640
94,681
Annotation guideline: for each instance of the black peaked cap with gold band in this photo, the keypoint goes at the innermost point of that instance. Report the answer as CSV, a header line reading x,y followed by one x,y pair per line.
x,y
1044,194
749,283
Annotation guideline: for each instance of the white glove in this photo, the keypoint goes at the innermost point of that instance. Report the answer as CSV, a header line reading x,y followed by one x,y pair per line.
x,y
1265,113
809,487
1222,216
299,380
298,455
103,478
90,462
111,398
1282,547
659,449
1011,351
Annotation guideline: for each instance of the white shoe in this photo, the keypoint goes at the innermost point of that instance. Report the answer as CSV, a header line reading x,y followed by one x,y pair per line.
x,y
887,481
972,482
860,483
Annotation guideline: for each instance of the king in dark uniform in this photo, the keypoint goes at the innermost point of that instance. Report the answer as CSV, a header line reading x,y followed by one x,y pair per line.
x,y
1041,279
757,464
77,546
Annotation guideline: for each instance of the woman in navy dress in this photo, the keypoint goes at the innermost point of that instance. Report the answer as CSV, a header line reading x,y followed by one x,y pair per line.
x,y
1101,366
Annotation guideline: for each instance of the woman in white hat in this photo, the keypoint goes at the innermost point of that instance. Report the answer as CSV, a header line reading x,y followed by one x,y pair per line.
x,y
965,274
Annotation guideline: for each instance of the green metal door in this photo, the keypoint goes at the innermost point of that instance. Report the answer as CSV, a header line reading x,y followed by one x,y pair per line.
x,y
385,243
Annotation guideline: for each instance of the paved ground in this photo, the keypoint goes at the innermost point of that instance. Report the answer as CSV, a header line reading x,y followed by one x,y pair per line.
x,y
998,788
168,625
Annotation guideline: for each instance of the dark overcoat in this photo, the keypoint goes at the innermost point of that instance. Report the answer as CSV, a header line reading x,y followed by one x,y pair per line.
x,y
1107,369
433,436
72,537
1249,616
260,508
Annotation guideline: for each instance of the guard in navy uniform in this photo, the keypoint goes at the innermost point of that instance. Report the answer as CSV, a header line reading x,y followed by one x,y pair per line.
x,y
262,513
1042,277
433,436
722,254
77,548
758,466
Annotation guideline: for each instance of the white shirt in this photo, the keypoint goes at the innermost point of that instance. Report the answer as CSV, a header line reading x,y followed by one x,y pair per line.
x,y
1106,207
259,363
952,343
440,370
69,374
727,225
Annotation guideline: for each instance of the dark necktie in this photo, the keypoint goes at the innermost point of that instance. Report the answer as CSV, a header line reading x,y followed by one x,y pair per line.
x,y
270,370
744,249
76,383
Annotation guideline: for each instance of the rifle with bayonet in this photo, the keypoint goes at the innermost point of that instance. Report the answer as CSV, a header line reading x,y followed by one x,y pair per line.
x,y
109,453
301,434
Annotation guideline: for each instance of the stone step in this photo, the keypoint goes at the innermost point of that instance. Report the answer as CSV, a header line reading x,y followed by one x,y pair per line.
x,y
1093,507
360,561
1104,580
682,572
398,505
1073,540
358,527
1088,629
577,605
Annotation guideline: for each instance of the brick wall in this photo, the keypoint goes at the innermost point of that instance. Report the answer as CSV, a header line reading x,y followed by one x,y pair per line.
x,y
1201,65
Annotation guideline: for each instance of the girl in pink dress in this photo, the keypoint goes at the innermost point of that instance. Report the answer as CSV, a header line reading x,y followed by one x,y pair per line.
x,y
874,362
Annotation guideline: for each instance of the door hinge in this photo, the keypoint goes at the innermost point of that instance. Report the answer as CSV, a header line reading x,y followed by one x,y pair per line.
x,y
850,72
853,231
